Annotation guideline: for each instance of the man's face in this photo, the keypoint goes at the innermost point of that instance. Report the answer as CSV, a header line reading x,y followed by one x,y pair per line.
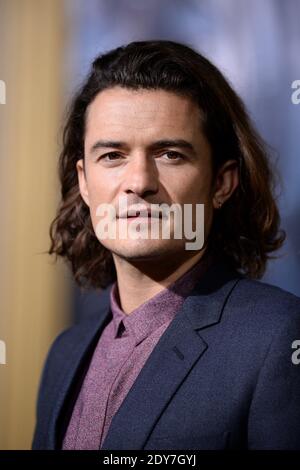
x,y
147,145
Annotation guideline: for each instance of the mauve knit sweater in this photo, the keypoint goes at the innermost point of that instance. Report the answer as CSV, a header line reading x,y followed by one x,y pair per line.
x,y
122,350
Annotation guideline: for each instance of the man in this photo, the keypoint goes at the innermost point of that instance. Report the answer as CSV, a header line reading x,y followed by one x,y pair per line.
x,y
186,349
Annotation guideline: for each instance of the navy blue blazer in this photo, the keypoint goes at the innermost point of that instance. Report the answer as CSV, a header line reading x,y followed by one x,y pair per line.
x,y
220,377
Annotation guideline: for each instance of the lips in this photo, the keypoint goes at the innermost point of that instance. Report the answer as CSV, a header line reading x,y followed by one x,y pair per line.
x,y
138,214
141,213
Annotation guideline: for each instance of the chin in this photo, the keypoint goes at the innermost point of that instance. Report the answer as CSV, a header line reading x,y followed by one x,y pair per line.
x,y
143,249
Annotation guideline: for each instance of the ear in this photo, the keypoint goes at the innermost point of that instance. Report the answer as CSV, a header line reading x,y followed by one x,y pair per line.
x,y
82,181
226,182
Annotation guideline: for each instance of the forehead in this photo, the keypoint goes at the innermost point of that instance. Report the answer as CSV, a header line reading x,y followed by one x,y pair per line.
x,y
142,113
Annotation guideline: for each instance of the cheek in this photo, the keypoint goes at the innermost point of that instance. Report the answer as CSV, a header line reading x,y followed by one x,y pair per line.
x,y
192,186
98,188
101,192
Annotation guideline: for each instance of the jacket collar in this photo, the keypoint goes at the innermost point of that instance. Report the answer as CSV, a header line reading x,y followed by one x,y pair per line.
x,y
180,346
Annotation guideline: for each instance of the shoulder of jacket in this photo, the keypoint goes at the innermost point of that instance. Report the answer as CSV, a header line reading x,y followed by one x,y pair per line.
x,y
265,303
73,334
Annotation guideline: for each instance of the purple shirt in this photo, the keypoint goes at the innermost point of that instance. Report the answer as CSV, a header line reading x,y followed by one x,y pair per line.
x,y
122,350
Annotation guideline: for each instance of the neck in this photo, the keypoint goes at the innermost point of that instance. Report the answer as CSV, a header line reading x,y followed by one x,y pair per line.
x,y
139,281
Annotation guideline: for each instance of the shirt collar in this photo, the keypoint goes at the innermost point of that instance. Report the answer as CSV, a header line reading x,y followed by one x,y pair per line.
x,y
161,308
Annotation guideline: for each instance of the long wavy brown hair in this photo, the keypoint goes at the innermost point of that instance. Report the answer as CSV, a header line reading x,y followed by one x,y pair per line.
x,y
245,230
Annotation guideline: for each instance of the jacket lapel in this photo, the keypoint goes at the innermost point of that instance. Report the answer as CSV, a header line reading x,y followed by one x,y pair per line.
x,y
83,343
179,348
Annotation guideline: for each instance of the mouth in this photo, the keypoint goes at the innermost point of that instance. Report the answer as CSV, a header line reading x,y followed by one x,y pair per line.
x,y
145,216
140,215
142,218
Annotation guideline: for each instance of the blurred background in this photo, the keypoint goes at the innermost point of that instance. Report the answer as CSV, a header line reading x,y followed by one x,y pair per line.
x,y
46,50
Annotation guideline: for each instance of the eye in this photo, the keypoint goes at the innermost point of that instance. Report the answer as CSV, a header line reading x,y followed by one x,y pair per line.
x,y
176,156
109,157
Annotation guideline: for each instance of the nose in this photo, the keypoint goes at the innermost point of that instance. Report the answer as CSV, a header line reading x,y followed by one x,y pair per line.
x,y
141,176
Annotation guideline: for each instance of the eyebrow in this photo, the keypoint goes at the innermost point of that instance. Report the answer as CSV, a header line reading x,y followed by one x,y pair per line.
x,y
180,143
